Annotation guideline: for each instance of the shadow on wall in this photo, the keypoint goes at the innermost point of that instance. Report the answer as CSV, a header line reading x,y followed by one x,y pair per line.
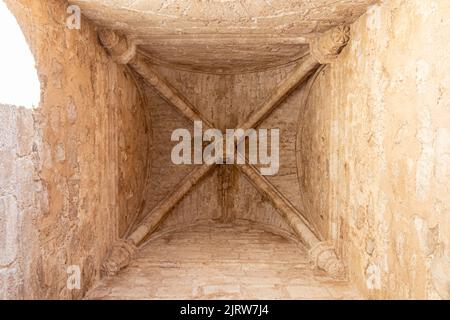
x,y
19,82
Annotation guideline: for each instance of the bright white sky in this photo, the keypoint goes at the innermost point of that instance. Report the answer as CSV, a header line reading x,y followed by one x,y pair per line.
x,y
19,82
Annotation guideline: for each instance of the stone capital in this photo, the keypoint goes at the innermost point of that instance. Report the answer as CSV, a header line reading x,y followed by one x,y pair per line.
x,y
119,257
327,47
323,256
121,48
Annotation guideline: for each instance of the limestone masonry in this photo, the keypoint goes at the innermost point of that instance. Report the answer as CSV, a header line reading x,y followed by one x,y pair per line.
x,y
93,206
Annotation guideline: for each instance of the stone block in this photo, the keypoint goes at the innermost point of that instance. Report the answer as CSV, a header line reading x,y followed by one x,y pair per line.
x,y
9,215
8,132
25,131
7,172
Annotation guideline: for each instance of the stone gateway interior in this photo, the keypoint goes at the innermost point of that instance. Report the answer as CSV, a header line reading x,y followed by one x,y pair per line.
x,y
344,194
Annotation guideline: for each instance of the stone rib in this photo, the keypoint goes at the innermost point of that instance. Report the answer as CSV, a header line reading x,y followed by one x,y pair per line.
x,y
153,219
301,73
322,254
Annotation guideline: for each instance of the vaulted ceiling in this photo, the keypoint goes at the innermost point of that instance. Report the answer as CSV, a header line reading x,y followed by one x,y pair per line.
x,y
222,36
246,112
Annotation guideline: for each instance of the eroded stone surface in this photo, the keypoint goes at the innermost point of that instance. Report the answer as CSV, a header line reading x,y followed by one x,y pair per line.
x,y
221,261
223,36
371,152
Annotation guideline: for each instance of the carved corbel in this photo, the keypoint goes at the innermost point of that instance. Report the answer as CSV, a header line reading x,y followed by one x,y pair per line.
x,y
323,256
119,257
123,250
121,48
327,47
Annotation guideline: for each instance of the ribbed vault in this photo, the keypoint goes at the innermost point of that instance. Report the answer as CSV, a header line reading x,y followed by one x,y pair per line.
x,y
323,49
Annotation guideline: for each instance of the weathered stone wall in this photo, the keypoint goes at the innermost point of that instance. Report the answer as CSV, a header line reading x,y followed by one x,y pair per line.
x,y
18,186
374,146
79,184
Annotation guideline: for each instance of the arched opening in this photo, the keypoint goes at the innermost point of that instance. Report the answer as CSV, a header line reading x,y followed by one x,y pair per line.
x,y
19,82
